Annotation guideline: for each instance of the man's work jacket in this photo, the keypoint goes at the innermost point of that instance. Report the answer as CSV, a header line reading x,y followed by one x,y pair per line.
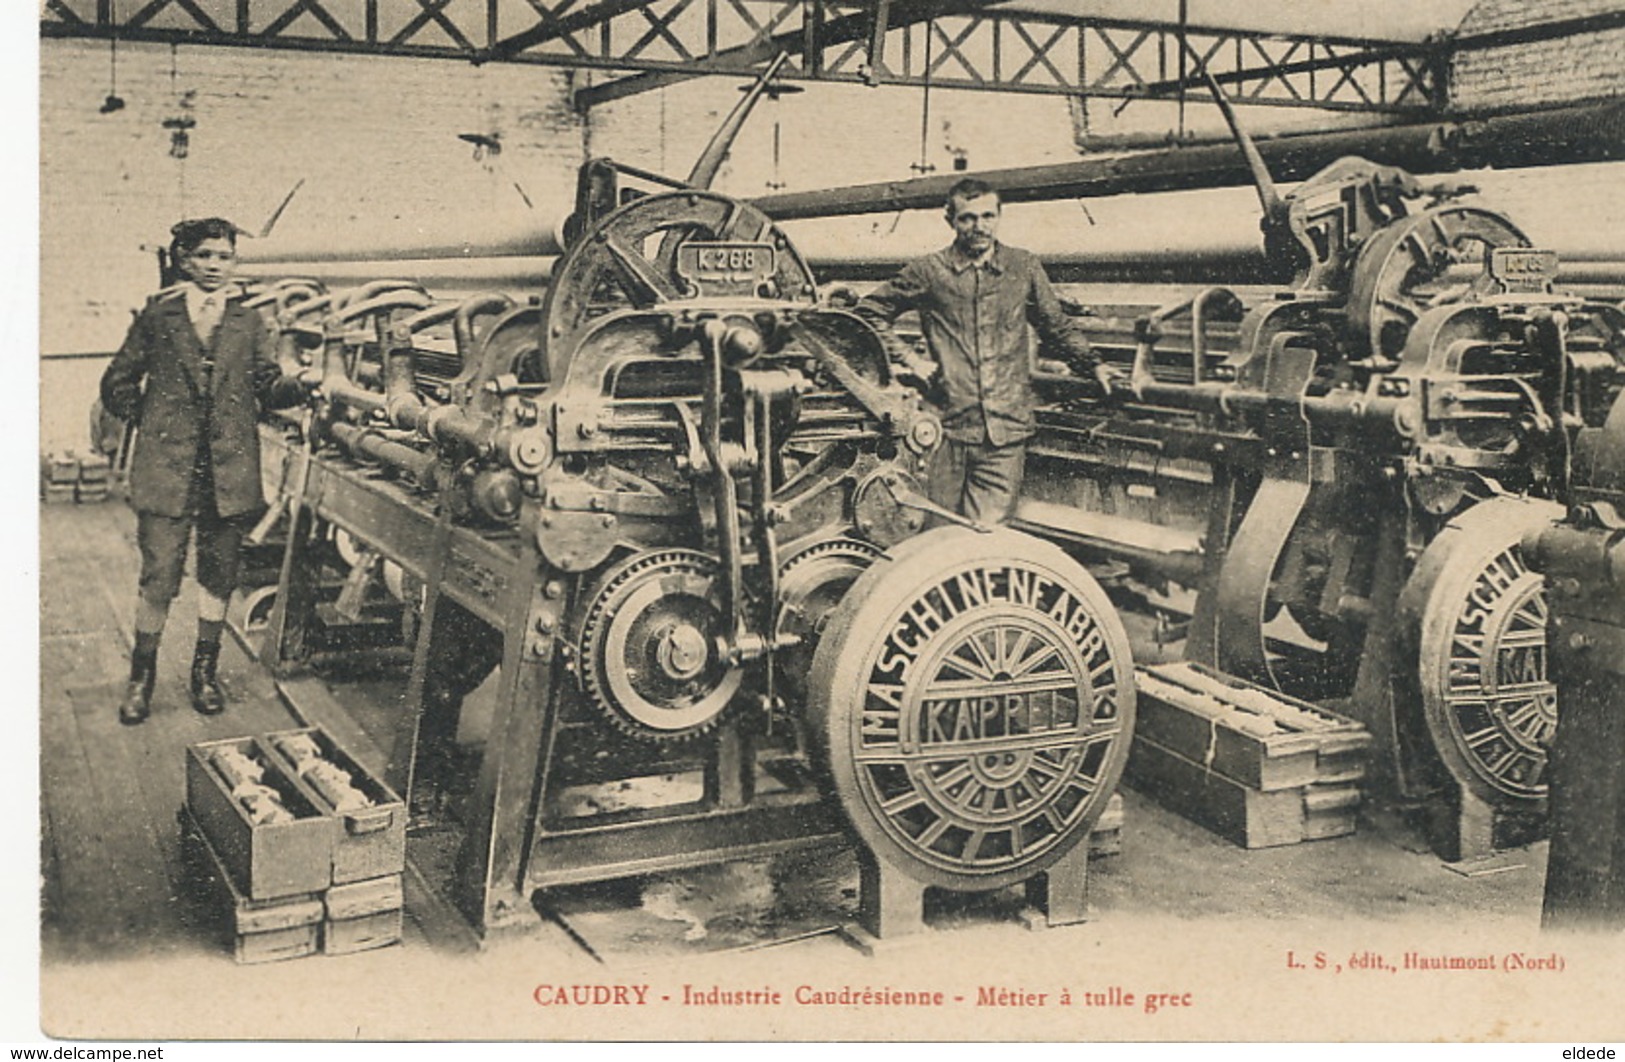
x,y
976,318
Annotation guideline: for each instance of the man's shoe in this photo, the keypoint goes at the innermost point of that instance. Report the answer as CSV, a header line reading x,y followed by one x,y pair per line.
x,y
137,702
207,696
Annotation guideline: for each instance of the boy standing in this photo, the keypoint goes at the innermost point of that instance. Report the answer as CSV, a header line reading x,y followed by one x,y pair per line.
x,y
192,374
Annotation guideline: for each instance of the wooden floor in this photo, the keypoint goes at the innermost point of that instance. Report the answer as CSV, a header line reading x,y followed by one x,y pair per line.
x,y
114,885
114,882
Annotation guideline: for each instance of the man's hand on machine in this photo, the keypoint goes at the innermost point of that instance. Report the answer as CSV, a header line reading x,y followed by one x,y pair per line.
x,y
1112,380
909,363
913,366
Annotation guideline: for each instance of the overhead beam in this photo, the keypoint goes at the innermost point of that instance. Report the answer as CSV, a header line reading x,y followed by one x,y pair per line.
x,y
1583,25
1369,74
877,39
1436,52
988,46
1274,71
552,26
1585,133
737,60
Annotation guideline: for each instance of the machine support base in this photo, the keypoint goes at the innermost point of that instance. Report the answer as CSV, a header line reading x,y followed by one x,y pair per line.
x,y
1060,895
891,905
1461,827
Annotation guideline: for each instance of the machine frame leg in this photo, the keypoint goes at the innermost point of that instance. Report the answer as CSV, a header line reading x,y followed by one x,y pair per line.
x,y
285,646
891,906
1373,700
1060,895
492,885
1585,870
729,776
402,768
1463,827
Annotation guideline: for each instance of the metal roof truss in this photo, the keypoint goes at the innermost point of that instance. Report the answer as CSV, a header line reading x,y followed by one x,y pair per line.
x,y
962,44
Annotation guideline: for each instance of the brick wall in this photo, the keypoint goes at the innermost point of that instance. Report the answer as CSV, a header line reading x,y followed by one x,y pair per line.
x,y
1559,70
374,139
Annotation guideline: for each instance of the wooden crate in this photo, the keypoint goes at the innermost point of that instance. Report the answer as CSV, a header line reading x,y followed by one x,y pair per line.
x,y
363,915
60,468
367,843
1250,817
1252,736
289,927
95,478
1106,837
95,468
267,860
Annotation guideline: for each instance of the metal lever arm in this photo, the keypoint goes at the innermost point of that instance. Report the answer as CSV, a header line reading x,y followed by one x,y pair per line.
x,y
909,498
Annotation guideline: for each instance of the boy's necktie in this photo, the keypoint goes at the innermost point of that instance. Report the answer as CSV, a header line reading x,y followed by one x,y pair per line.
x,y
208,317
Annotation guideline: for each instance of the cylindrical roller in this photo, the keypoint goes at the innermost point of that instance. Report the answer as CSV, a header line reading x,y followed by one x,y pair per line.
x,y
419,464
460,237
1579,133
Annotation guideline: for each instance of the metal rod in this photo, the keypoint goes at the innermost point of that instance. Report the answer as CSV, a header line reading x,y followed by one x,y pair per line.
x,y
516,234
1184,49
420,464
925,98
1580,133
710,160
1268,198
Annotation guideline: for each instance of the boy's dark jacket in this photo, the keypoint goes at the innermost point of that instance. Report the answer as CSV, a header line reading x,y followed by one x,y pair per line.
x,y
163,349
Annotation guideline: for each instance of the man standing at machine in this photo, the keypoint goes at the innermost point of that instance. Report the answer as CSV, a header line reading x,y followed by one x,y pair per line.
x,y
976,300
191,375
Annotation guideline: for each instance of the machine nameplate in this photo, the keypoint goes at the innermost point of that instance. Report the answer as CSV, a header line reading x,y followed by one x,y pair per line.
x,y
1523,269
727,268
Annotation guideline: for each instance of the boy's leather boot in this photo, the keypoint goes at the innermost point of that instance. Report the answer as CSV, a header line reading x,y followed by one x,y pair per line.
x,y
207,696
137,702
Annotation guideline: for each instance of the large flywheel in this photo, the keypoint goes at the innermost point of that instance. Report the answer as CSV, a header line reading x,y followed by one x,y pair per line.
x,y
1406,267
974,697
813,579
1474,618
635,257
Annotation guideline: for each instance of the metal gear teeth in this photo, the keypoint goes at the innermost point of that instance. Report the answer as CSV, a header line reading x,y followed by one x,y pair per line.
x,y
589,646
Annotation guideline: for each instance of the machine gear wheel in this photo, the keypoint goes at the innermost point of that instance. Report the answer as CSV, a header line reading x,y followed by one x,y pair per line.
x,y
648,646
1404,267
812,581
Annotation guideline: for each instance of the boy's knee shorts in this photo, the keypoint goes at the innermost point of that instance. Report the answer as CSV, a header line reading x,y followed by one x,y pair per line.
x,y
162,540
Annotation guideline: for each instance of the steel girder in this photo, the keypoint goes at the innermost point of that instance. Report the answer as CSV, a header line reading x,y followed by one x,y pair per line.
x,y
964,44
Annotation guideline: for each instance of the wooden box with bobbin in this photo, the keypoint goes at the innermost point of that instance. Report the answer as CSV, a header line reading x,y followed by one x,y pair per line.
x,y
368,819
273,840
288,927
